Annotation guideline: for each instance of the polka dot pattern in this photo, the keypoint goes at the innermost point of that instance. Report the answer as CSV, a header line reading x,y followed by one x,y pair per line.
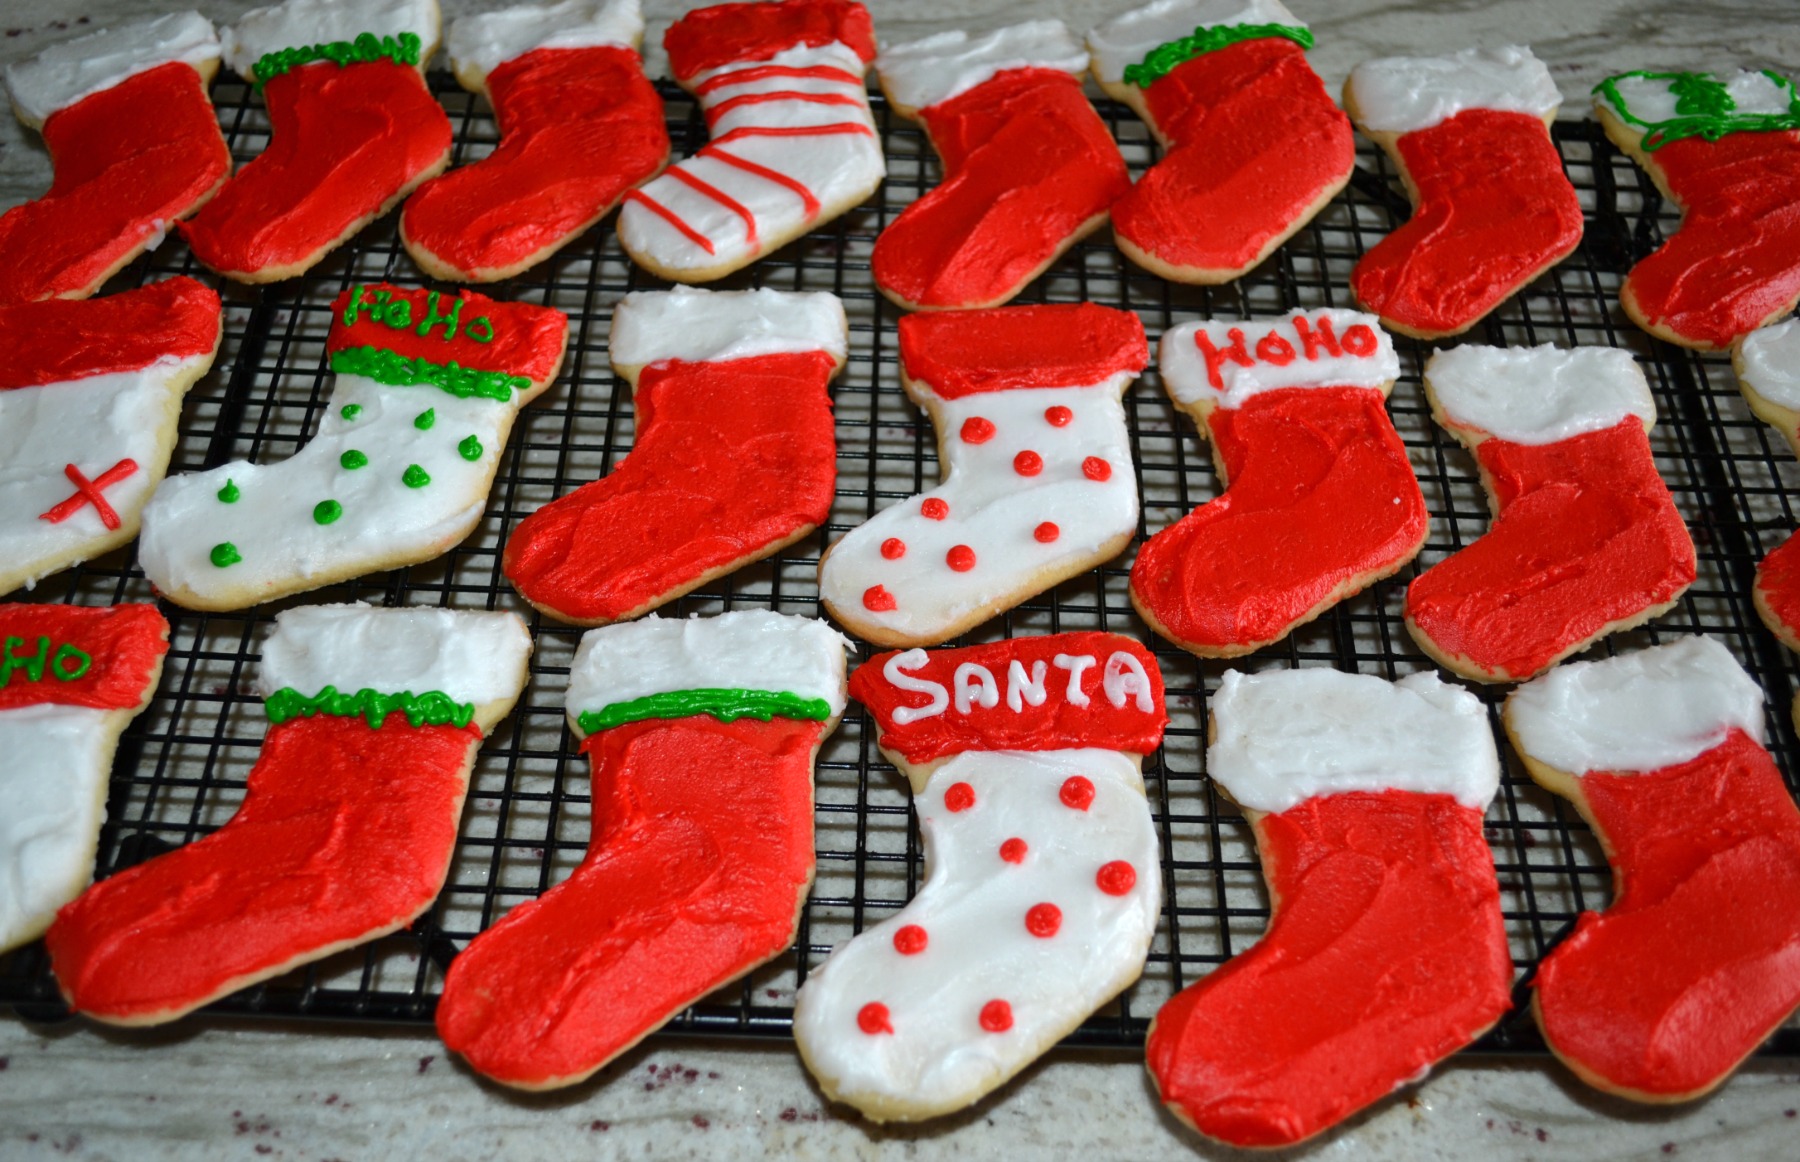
x,y
961,558
1046,533
977,430
1029,463
1077,792
934,508
876,599
1043,920
911,940
893,548
996,1016
1058,416
1013,850
959,797
1116,878
872,1018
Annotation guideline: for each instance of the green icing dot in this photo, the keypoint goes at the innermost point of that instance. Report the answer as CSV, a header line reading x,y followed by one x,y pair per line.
x,y
225,553
229,494
353,459
470,449
350,410
327,511
415,476
425,419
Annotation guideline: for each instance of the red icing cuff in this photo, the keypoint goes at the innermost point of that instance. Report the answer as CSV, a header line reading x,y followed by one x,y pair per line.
x,y
961,353
58,340
520,339
724,34
68,655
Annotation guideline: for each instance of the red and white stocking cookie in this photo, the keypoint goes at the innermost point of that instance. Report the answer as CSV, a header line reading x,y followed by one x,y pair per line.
x,y
90,396
1767,363
346,828
1697,959
1386,951
1586,539
1254,144
1029,167
352,131
1042,882
1320,498
793,142
71,679
1492,208
134,143
702,735
580,124
1038,483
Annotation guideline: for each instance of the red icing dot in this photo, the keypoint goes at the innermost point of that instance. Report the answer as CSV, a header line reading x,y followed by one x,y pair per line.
x,y
977,430
1046,532
1094,468
893,548
911,940
1077,792
1059,416
872,1018
931,508
1116,878
996,1016
1043,920
961,558
1028,463
1013,850
959,797
877,599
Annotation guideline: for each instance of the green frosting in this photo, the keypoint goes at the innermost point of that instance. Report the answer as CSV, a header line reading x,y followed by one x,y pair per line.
x,y
469,449
415,476
229,494
353,459
402,50
327,511
225,554
452,378
425,419
1704,107
724,705
1162,60
350,410
432,708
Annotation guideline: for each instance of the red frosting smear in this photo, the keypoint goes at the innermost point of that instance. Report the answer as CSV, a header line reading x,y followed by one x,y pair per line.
x,y
1027,164
129,161
344,143
1056,725
1493,208
688,883
345,833
1386,953
1256,144
709,38
1709,850
961,353
56,341
526,340
1778,585
99,658
1322,498
1587,535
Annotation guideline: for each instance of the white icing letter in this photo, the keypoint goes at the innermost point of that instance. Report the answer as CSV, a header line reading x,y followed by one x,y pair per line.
x,y
1125,675
1021,689
895,673
1076,664
975,684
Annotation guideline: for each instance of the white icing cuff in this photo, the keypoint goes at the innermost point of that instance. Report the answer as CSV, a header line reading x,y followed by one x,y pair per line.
x,y
64,73
1228,362
1539,395
1285,736
949,64
1768,361
470,656
308,22
1127,39
1651,100
1645,711
699,325
486,40
1399,94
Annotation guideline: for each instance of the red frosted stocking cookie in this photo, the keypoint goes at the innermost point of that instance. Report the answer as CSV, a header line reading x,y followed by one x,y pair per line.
x,y
1492,210
1586,539
1697,959
736,455
135,145
346,829
71,680
1255,146
1767,363
1038,482
1042,882
1386,951
352,131
579,125
1727,152
1029,167
1321,500
702,735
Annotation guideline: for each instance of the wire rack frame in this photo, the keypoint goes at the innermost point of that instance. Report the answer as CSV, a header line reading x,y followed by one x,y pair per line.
x,y
181,767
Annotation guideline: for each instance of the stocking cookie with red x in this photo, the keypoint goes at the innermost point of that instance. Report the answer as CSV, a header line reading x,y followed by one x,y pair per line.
x,y
1767,363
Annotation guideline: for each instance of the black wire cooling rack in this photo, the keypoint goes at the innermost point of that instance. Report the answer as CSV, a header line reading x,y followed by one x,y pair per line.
x,y
181,767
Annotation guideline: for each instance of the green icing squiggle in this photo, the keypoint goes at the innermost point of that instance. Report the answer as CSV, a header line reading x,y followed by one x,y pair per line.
x,y
724,705
432,708
1704,108
396,370
403,50
1162,60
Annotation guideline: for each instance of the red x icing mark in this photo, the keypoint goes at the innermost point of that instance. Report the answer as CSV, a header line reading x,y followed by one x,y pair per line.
x,y
91,492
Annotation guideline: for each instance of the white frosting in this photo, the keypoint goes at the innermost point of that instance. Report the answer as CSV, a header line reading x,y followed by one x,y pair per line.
x,y
924,72
53,783
1399,94
1127,39
1273,354
483,41
973,907
1768,361
1282,737
1651,100
66,72
472,656
1539,395
701,325
296,23
1637,712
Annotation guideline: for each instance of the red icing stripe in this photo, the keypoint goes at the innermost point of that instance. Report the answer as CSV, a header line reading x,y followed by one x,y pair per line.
x,y
91,492
710,38
527,340
99,658
681,175
808,201
671,217
832,130
715,112
764,72
58,340
961,353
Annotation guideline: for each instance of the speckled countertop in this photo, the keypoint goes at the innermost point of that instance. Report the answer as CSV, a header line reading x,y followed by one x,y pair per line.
x,y
319,1092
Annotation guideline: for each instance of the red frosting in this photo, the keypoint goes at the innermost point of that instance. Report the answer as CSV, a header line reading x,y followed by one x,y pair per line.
x,y
701,854
526,340
1778,585
963,353
1386,952
1493,208
1698,958
57,341
1027,163
709,38
1587,536
99,658
1322,499
345,833
129,161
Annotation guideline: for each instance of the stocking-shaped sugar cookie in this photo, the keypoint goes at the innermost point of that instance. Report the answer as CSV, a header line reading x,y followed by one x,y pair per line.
x,y
1038,483
736,456
1255,146
1042,883
1321,500
579,125
1029,167
1586,539
71,679
793,143
1726,150
135,145
1697,959
1386,951
702,735
346,829
90,393
426,389
1492,208
1767,363
352,131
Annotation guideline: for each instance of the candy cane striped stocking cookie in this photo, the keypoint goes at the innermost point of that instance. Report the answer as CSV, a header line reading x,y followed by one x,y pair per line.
x,y
426,389
1767,363
793,143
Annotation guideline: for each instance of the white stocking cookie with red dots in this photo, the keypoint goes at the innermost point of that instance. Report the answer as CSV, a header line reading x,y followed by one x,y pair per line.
x,y
1767,363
